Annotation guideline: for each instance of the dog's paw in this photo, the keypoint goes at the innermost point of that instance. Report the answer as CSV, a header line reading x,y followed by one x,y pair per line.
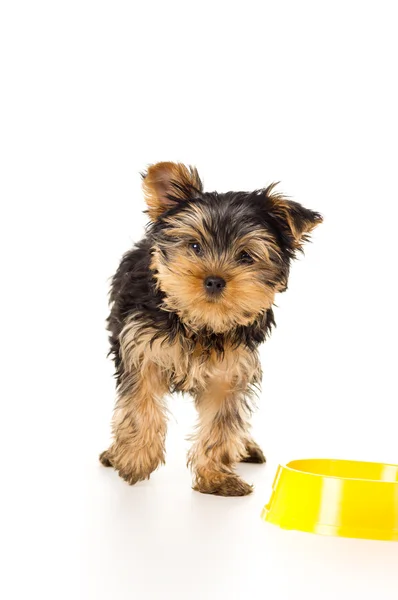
x,y
131,477
105,459
254,454
133,466
223,485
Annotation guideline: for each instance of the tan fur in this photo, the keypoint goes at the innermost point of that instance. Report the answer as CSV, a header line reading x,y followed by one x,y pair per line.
x,y
188,226
243,300
158,185
139,424
220,385
220,439
248,292
245,297
183,364
217,282
254,454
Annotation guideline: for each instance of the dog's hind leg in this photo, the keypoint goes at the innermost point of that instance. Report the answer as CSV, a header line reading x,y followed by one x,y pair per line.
x,y
105,458
254,452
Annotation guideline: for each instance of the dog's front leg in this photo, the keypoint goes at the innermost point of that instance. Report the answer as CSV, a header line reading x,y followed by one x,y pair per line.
x,y
139,425
220,441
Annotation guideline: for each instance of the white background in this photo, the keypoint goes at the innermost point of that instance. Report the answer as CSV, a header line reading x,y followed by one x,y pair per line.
x,y
249,92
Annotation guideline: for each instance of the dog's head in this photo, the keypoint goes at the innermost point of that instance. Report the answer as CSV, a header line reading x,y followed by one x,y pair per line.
x,y
219,259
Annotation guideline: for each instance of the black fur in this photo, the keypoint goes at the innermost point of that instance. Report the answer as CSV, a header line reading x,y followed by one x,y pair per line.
x,y
229,215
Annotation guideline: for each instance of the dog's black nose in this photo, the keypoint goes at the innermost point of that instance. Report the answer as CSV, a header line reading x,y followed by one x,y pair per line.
x,y
214,285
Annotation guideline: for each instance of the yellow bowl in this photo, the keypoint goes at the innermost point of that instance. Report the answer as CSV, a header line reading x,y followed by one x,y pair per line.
x,y
336,497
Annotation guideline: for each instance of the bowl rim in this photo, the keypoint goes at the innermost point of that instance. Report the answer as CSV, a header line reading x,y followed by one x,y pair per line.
x,y
289,467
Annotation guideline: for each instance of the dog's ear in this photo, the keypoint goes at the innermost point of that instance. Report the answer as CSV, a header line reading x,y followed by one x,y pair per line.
x,y
166,183
293,221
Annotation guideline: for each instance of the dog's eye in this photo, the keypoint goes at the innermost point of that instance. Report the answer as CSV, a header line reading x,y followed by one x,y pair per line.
x,y
245,258
197,248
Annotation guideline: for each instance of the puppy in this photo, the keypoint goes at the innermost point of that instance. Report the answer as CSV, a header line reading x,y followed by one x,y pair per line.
x,y
190,304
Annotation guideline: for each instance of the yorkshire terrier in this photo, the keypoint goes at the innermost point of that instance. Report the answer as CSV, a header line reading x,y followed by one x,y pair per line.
x,y
190,303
